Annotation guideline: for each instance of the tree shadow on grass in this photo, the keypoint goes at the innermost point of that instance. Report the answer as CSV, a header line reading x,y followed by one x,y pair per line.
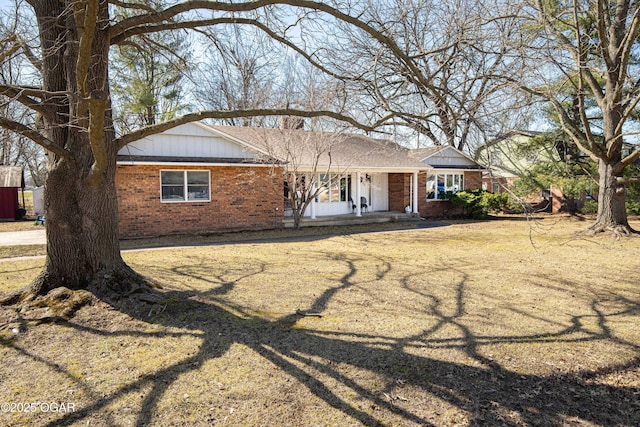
x,y
489,393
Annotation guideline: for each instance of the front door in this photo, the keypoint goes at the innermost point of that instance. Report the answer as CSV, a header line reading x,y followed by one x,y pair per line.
x,y
379,192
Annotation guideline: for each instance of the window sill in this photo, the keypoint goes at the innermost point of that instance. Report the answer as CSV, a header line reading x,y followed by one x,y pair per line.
x,y
186,201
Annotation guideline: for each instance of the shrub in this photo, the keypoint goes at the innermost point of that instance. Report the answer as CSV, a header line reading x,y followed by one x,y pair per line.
x,y
477,203
589,207
633,207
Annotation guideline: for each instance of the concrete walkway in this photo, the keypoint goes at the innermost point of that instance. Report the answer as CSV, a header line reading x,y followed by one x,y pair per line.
x,y
30,237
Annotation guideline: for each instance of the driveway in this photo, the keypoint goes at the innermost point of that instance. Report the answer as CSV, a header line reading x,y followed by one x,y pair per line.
x,y
30,237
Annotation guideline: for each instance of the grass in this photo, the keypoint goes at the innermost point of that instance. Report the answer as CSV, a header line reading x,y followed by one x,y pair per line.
x,y
22,251
22,225
476,323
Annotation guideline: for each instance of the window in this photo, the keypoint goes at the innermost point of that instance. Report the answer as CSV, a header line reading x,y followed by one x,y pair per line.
x,y
323,192
333,188
438,185
184,186
345,189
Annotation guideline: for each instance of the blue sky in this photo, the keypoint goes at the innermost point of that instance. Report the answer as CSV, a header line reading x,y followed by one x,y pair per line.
x,y
5,4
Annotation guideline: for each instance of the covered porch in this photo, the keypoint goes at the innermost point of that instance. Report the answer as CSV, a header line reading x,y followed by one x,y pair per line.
x,y
363,192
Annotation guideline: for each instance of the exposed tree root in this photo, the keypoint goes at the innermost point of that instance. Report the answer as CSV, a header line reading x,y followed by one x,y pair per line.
x,y
615,230
58,304
121,283
43,301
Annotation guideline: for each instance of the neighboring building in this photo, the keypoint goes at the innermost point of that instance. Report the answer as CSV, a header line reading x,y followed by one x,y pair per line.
x,y
11,182
199,178
509,157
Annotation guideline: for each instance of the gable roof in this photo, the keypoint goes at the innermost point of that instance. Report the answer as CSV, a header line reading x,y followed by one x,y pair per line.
x,y
341,150
445,157
11,176
190,143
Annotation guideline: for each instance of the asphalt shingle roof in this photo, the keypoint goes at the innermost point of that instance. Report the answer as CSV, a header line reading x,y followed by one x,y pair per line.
x,y
340,150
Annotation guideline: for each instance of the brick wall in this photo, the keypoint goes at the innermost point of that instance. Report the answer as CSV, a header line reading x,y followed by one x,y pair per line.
x,y
502,182
399,191
242,198
556,199
444,208
472,180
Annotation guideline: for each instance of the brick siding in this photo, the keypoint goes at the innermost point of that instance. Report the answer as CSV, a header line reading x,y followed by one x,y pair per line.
x,y
242,198
444,208
472,180
399,191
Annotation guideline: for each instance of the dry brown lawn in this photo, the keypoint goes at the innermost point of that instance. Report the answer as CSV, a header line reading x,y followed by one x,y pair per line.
x,y
475,323
21,225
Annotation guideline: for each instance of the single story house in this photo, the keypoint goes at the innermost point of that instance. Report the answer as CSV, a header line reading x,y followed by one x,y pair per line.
x,y
11,181
201,178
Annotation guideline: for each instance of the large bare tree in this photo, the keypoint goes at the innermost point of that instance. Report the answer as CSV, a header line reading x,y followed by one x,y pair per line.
x,y
433,67
72,96
585,63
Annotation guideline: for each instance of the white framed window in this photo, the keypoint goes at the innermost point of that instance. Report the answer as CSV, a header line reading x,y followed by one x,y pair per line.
x,y
333,188
185,186
324,191
438,185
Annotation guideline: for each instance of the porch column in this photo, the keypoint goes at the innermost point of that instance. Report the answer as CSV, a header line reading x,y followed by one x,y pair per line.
x,y
415,192
312,205
358,195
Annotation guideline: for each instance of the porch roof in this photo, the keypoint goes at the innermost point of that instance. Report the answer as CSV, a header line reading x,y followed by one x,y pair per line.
x,y
338,150
445,157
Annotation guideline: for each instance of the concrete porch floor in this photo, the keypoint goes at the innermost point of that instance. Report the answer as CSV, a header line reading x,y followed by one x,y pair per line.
x,y
352,219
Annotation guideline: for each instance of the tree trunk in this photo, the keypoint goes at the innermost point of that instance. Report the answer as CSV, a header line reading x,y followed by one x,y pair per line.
x,y
83,251
612,214
297,219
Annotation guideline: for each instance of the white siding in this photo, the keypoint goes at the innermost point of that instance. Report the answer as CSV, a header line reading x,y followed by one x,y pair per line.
x,y
188,140
449,157
379,192
334,208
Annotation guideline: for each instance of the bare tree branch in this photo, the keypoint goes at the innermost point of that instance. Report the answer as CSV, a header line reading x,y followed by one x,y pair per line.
x,y
132,6
35,136
15,46
630,159
222,21
86,24
24,96
629,180
222,114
